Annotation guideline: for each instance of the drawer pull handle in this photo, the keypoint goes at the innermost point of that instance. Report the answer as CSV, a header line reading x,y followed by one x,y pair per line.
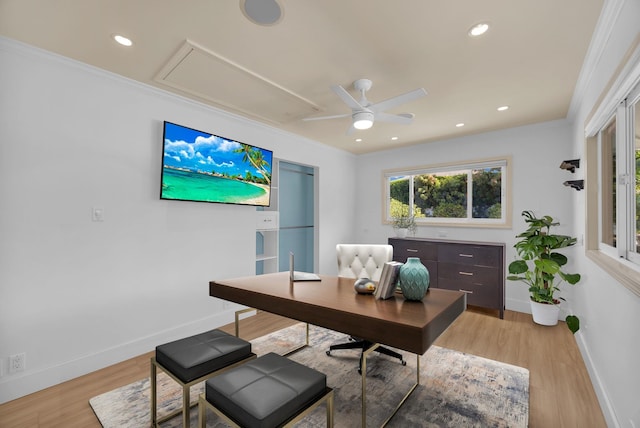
x,y
466,273
411,250
466,255
466,291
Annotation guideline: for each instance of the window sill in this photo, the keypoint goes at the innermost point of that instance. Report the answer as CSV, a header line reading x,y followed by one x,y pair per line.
x,y
620,270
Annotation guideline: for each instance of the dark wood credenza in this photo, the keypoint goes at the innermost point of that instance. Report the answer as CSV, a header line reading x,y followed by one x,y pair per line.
x,y
476,268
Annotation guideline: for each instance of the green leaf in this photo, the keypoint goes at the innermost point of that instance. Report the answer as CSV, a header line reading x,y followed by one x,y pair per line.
x,y
571,278
547,266
517,267
573,323
561,259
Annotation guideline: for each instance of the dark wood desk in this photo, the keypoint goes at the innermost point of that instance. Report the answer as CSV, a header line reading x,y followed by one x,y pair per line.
x,y
333,303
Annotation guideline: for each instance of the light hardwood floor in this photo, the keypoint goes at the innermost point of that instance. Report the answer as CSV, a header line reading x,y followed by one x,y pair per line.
x,y
561,394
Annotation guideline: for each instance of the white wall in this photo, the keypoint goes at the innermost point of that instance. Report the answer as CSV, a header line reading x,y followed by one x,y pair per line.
x,y
609,336
537,184
610,314
77,295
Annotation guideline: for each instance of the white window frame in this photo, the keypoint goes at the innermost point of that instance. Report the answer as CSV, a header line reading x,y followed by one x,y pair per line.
x,y
621,262
500,162
602,246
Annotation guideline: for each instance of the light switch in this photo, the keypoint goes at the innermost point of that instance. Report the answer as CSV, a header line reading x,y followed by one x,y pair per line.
x,y
97,214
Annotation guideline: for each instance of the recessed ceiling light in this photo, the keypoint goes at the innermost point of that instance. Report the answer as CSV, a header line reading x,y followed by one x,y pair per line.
x,y
394,138
503,108
122,40
478,29
358,140
459,125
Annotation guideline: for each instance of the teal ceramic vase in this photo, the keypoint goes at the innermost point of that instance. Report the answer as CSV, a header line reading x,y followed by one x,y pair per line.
x,y
414,279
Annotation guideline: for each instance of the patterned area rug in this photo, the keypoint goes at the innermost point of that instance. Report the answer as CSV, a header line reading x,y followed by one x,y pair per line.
x,y
456,389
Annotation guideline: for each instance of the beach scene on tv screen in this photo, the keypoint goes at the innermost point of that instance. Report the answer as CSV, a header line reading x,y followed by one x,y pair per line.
x,y
198,166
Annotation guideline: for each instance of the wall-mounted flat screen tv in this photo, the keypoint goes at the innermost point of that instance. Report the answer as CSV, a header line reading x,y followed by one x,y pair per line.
x,y
203,167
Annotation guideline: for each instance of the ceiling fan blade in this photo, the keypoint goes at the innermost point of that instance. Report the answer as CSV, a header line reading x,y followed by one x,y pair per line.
x,y
404,118
351,130
400,99
335,116
346,97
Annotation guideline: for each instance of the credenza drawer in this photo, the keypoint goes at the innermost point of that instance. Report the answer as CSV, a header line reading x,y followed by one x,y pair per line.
x,y
477,294
470,254
432,267
467,274
405,248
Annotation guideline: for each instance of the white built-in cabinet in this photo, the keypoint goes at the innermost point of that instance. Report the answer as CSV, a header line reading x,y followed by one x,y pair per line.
x,y
267,229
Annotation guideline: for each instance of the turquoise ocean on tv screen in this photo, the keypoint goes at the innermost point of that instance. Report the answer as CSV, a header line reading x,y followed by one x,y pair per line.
x,y
201,187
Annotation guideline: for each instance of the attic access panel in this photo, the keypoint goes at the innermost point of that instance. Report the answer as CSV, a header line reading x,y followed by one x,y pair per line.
x,y
202,73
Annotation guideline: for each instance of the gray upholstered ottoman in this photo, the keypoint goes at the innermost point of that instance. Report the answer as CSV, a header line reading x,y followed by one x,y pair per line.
x,y
192,360
270,391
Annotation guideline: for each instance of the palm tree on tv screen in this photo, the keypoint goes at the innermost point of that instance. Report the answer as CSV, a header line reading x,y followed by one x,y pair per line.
x,y
255,158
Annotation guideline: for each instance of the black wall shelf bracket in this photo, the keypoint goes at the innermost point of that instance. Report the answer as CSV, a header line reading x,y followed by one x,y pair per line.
x,y
575,184
570,165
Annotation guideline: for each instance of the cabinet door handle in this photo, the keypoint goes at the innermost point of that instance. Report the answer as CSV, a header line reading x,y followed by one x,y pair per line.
x,y
411,250
466,255
466,291
466,273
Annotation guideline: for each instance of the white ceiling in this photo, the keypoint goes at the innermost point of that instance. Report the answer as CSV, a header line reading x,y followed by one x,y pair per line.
x,y
208,50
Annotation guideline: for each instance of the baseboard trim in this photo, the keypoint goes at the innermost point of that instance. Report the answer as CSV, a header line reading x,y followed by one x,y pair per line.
x,y
26,383
603,397
518,306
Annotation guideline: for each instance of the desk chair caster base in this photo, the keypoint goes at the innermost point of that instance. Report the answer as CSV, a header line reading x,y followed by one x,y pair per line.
x,y
364,345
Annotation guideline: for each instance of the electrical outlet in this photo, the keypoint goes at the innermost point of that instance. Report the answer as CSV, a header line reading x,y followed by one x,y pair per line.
x,y
17,363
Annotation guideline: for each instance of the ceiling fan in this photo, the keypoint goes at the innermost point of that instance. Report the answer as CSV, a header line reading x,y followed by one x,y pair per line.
x,y
365,113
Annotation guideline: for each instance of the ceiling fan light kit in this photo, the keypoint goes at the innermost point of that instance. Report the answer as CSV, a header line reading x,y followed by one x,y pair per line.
x,y
363,120
365,113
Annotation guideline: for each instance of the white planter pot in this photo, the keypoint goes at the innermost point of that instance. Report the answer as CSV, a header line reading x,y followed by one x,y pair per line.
x,y
402,233
544,314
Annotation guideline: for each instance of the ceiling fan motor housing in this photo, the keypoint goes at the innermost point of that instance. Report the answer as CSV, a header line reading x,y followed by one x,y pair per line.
x,y
362,85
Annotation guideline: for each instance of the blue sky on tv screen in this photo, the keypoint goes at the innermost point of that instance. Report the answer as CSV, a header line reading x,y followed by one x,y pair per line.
x,y
187,148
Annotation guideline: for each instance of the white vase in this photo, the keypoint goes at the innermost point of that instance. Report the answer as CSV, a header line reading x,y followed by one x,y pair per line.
x,y
544,313
401,232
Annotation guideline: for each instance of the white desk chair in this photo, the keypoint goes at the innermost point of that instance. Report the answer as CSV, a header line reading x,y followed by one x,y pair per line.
x,y
363,261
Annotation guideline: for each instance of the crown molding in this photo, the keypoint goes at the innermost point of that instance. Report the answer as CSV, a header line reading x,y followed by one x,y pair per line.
x,y
604,28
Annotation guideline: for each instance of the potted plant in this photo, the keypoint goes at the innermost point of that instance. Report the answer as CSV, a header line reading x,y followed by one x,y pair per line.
x,y
540,266
401,219
403,225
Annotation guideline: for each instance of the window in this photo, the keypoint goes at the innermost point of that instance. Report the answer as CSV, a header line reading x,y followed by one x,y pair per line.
x,y
613,178
472,193
619,190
